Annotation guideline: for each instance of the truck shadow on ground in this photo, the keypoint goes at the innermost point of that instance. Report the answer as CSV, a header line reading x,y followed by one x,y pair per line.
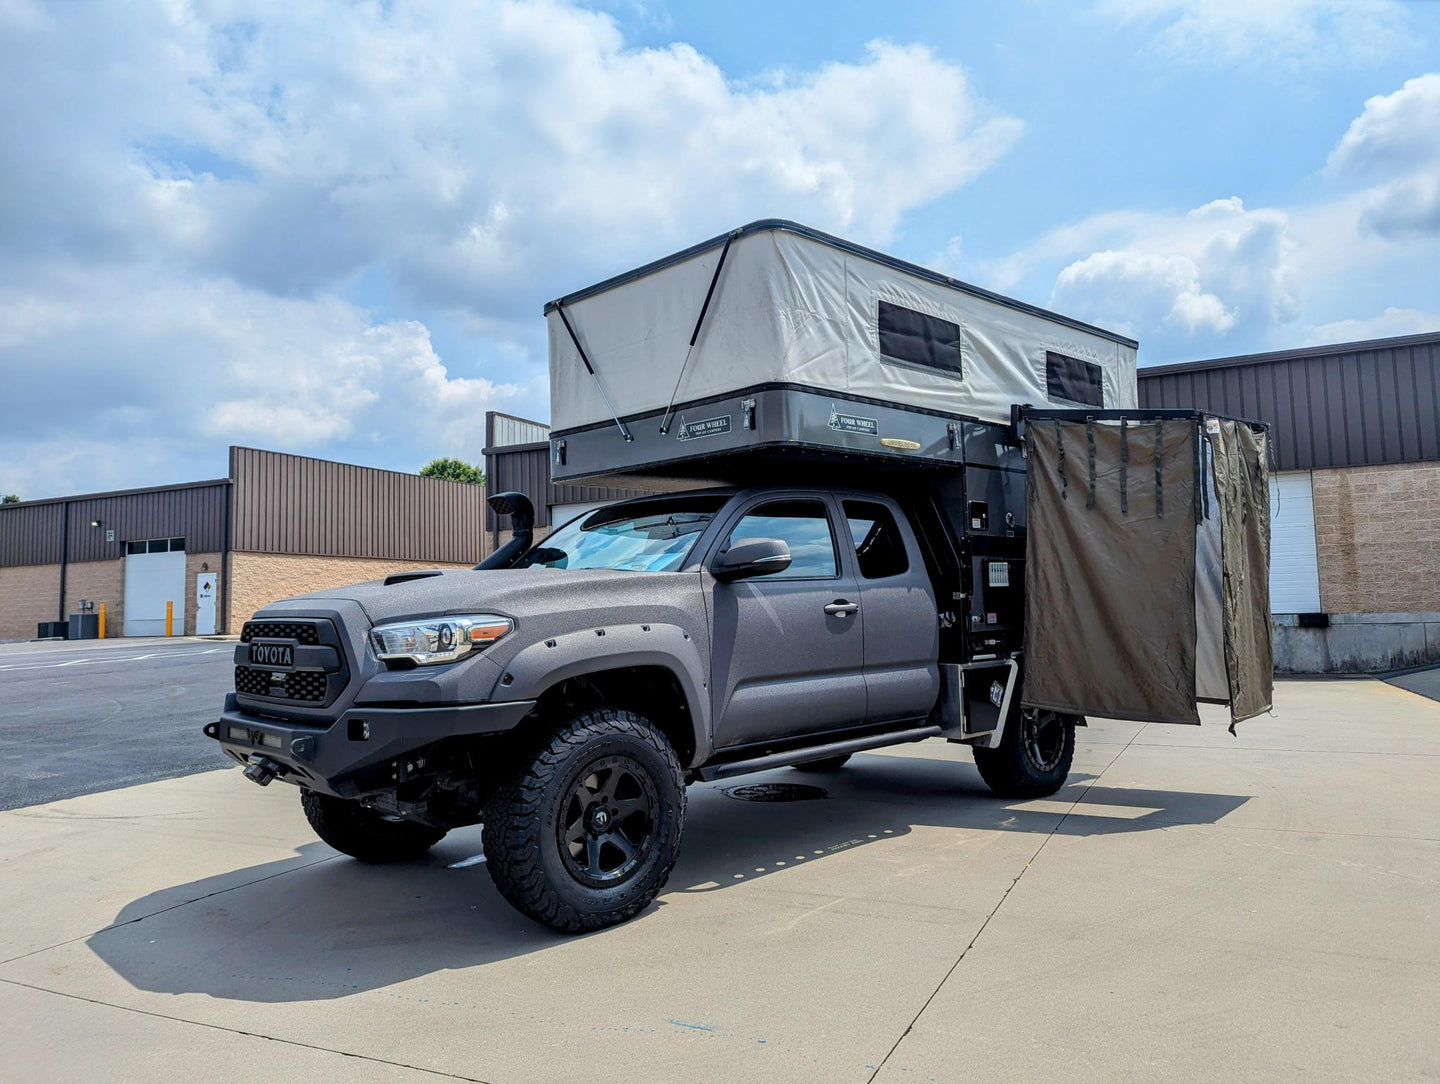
x,y
319,927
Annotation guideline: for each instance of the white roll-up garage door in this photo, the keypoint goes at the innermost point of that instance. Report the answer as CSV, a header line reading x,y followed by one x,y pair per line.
x,y
1294,567
152,580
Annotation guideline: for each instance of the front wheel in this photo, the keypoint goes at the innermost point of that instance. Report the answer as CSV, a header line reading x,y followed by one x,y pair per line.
x,y
584,835
362,833
1033,757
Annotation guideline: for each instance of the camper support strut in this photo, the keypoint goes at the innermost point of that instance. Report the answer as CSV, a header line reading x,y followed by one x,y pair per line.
x,y
624,430
704,308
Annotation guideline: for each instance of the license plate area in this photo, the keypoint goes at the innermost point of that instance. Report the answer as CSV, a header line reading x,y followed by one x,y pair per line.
x,y
272,654
253,736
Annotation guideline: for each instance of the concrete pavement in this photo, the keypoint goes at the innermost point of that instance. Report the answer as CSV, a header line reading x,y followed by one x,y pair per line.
x,y
1191,906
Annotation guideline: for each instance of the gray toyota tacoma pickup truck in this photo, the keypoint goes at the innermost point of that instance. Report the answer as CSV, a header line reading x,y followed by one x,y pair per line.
x,y
566,693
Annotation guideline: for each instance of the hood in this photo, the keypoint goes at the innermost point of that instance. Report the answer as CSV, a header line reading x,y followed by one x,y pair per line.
x,y
512,592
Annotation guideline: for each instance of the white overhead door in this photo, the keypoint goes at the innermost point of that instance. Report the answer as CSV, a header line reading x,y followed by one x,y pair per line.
x,y
152,580
1294,568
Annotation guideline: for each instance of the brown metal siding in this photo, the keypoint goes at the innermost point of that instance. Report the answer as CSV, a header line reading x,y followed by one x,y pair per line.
x,y
31,533
1359,405
295,504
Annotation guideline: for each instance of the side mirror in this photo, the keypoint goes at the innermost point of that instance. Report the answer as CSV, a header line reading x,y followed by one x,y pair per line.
x,y
752,557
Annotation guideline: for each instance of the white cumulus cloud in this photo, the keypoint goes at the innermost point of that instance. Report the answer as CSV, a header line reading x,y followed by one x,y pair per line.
x,y
218,220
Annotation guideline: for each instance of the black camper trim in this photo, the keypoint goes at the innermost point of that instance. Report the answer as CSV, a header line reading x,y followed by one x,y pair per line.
x,y
738,393
769,225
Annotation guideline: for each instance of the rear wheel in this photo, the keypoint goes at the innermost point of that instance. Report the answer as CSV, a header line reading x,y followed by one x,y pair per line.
x,y
584,835
824,764
362,833
1033,757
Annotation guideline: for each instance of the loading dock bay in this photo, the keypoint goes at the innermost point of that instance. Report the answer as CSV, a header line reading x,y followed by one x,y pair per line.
x,y
1191,906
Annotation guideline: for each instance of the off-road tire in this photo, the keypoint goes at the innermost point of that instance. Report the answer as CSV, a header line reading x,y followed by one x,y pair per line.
x,y
824,764
528,813
1016,769
362,833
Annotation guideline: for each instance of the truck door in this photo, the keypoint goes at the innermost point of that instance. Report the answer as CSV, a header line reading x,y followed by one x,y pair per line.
x,y
902,640
788,655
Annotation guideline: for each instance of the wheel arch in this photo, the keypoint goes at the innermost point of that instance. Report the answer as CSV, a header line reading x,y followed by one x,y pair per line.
x,y
653,670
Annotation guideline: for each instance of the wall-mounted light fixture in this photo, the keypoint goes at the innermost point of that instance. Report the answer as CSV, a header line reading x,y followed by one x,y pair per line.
x,y
94,523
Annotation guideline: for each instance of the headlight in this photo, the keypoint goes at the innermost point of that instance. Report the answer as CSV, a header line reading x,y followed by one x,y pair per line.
x,y
438,639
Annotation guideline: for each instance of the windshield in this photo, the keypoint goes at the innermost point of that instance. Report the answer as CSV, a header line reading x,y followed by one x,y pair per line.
x,y
652,537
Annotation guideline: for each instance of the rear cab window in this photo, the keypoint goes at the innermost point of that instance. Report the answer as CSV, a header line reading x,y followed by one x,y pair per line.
x,y
879,549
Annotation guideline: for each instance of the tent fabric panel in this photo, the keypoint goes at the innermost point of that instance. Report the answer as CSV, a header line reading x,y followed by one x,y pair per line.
x,y
1242,480
789,308
1104,584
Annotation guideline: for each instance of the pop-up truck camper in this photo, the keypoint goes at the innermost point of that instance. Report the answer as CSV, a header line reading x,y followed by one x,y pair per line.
x,y
887,506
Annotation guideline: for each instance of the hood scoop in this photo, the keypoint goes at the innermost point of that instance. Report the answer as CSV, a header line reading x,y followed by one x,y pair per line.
x,y
406,577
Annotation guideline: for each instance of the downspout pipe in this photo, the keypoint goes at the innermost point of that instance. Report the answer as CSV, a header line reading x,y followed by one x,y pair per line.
x,y
64,556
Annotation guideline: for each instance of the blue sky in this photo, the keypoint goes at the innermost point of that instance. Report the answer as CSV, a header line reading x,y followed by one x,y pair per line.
x,y
329,227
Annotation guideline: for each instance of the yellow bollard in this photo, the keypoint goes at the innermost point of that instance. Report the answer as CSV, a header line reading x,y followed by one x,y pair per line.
x,y
169,618
102,620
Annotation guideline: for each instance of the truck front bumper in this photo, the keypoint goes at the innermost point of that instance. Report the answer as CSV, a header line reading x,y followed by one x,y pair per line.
x,y
341,756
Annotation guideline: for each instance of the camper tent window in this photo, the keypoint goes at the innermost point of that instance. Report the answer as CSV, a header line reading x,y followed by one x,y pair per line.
x,y
907,335
1073,379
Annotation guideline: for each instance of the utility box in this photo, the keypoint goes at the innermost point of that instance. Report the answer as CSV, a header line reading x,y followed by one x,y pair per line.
x,y
84,627
52,630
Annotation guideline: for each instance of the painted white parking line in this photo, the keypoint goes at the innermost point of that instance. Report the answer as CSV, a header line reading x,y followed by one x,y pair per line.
x,y
5,667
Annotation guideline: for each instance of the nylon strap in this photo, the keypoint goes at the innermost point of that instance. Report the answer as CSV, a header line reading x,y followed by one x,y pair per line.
x,y
1159,475
1124,467
1090,438
1060,461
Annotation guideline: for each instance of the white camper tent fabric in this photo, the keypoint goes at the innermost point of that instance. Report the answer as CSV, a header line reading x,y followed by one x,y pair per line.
x,y
792,308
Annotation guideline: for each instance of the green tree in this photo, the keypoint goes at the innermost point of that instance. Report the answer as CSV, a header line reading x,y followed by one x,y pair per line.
x,y
10,498
454,470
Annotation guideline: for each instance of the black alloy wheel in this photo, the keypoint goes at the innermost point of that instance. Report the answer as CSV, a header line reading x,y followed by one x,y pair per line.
x,y
608,822
1043,739
1034,754
583,830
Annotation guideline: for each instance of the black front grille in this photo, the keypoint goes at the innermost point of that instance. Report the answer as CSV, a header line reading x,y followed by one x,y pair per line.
x,y
252,682
305,685
302,632
310,687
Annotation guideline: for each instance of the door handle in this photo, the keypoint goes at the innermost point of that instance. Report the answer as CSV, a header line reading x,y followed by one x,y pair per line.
x,y
841,608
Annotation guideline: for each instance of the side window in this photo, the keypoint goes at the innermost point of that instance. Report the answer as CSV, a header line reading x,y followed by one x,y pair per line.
x,y
801,525
878,545
1073,379
917,337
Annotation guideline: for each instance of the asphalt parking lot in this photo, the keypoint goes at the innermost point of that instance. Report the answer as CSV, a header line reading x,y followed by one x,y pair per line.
x,y
76,718
1190,906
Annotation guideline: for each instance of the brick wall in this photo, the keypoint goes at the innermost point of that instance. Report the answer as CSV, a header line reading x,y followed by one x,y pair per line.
x,y
1377,537
98,581
257,579
29,594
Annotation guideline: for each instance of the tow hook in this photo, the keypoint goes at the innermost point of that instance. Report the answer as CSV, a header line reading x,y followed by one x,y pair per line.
x,y
262,770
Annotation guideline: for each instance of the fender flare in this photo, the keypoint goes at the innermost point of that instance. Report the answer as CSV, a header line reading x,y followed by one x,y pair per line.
x,y
541,665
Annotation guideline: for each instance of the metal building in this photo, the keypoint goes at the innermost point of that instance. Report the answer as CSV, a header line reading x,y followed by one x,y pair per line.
x,y
1355,518
216,551
517,458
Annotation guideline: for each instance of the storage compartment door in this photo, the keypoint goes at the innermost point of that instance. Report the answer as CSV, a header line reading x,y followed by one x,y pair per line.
x,y
1110,567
